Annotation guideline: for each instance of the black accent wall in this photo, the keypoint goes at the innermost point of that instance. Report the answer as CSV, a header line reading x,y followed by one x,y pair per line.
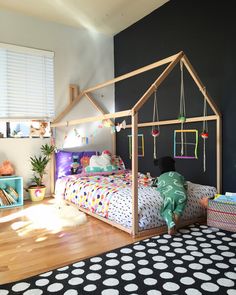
x,y
206,31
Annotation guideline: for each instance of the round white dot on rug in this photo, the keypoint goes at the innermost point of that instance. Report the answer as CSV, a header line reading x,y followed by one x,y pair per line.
x,y
176,244
210,287
196,234
227,239
164,248
233,235
222,265
191,242
187,281
188,257
220,233
232,261
20,287
75,281
205,245
178,239
223,248
216,257
128,266
211,236
202,276
143,262
233,244
93,276
166,275
231,292
153,292
46,274
71,292
42,282
160,265
192,291
213,271
111,271
197,254
126,258
150,281
225,282
131,287
153,251
177,261
94,260
31,292
61,276
55,287
200,239
216,242
110,292
166,236
126,250
4,292
162,241
231,275
208,250
112,262
159,258
192,248
111,255
63,268
169,286
151,244
111,282
139,247
145,271
194,228
180,269
195,266
228,254
80,264
170,254
207,231
140,254
205,261
180,250
128,276
90,288
187,237
95,267
77,272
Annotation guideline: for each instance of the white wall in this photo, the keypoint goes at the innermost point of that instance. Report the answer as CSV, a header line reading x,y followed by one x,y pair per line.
x,y
81,57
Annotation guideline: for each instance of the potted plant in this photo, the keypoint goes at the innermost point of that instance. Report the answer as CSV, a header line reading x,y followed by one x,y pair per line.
x,y
38,165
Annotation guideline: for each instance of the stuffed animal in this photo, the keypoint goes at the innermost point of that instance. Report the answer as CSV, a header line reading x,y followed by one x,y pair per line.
x,y
6,168
101,161
38,131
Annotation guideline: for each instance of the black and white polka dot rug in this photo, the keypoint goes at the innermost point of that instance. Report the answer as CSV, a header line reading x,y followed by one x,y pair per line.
x,y
197,260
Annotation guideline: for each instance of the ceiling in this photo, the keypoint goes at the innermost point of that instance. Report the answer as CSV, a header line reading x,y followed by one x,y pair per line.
x,y
105,16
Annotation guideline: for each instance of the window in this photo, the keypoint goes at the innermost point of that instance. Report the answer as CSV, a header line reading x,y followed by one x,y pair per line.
x,y
25,129
26,85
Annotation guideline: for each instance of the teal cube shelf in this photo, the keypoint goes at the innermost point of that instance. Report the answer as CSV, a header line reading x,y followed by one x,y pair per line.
x,y
16,182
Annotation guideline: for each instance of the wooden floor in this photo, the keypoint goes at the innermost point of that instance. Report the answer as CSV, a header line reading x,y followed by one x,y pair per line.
x,y
25,251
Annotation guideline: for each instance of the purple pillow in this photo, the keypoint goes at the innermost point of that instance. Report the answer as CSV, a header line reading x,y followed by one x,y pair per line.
x,y
65,159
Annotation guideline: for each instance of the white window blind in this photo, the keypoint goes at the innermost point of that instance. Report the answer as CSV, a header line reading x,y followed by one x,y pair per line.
x,y
26,83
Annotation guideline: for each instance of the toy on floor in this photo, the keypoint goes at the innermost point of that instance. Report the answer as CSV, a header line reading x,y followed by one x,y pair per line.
x,y
6,168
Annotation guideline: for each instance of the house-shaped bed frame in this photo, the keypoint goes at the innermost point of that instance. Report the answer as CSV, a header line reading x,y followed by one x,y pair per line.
x,y
172,61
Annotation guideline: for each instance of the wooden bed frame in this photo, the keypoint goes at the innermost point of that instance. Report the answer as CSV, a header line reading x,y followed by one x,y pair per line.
x,y
172,61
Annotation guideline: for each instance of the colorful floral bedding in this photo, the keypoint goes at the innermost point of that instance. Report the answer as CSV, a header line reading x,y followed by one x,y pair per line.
x,y
110,196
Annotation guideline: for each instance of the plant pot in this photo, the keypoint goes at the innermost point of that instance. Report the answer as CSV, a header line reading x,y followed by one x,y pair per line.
x,y
37,193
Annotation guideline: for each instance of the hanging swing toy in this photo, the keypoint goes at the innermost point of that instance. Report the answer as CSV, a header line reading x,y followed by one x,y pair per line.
x,y
184,149
204,133
155,129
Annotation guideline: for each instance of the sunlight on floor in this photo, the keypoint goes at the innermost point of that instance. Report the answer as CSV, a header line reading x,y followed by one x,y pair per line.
x,y
50,217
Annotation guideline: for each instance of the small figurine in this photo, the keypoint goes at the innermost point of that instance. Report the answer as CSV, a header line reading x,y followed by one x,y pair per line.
x,y
74,165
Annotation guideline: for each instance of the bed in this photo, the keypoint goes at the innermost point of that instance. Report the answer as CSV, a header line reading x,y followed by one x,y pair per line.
x,y
110,197
122,194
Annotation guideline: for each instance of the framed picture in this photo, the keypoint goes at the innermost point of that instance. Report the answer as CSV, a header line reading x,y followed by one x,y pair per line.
x,y
140,145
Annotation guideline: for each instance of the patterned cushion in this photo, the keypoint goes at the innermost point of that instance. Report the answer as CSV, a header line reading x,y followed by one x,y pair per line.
x,y
65,160
117,161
